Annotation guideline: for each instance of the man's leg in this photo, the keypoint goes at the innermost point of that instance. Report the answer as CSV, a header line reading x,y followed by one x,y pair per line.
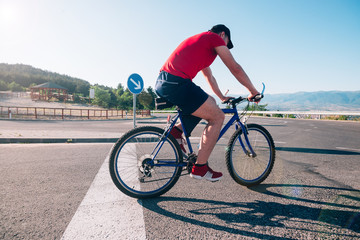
x,y
190,123
215,117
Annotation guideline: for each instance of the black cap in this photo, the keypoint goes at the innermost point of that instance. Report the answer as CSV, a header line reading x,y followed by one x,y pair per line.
x,y
222,28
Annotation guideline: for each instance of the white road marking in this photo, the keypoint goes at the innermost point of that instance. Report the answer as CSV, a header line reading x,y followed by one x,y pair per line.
x,y
195,138
106,213
349,149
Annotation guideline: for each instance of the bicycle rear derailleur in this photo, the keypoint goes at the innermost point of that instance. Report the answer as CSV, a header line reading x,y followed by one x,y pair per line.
x,y
145,167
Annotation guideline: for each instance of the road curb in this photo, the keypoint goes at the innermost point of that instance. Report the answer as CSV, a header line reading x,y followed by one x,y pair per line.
x,y
57,140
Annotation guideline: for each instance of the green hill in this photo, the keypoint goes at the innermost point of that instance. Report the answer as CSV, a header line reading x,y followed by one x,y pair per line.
x,y
26,76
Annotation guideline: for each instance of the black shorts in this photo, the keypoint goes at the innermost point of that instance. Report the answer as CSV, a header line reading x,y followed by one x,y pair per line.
x,y
180,92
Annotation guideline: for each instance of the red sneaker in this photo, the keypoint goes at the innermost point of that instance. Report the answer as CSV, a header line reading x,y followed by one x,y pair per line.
x,y
177,134
205,172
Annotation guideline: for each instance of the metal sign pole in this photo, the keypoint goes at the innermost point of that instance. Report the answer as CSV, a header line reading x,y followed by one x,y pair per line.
x,y
135,84
134,109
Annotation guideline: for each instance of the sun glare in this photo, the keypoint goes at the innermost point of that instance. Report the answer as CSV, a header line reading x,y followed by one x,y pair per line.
x,y
8,13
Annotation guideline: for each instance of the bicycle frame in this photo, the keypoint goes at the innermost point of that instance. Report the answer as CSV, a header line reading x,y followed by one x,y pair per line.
x,y
234,119
147,161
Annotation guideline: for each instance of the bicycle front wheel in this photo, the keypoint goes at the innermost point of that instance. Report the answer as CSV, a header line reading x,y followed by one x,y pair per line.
x,y
143,164
244,167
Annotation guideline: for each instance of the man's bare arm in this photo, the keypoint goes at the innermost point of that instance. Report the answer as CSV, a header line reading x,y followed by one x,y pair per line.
x,y
235,68
213,83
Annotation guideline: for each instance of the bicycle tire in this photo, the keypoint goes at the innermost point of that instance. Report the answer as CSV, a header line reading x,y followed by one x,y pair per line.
x,y
244,168
129,160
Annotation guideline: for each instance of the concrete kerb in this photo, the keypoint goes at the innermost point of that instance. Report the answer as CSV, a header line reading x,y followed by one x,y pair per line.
x,y
24,140
9,140
73,120
56,140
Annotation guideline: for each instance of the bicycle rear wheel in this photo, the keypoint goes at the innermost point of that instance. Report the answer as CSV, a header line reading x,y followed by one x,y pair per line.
x,y
244,168
143,165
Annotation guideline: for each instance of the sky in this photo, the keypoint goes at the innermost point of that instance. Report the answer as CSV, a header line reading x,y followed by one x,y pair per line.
x,y
289,45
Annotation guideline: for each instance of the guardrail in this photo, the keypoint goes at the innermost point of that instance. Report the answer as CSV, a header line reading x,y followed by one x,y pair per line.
x,y
312,113
288,114
67,113
73,113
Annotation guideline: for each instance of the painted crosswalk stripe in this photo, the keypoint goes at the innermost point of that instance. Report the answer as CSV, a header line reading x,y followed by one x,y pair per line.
x,y
106,213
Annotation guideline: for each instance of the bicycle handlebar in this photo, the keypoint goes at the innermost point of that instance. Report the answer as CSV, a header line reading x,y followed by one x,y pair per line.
x,y
235,101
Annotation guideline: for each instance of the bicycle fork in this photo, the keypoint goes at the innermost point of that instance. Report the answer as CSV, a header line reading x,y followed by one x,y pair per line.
x,y
250,152
236,119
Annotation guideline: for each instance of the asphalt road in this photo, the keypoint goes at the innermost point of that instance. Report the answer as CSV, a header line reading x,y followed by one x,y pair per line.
x,y
312,193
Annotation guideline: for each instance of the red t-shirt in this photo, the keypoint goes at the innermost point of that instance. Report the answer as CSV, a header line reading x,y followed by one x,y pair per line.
x,y
193,55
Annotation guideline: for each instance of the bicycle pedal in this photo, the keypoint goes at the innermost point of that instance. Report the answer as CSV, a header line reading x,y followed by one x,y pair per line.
x,y
191,159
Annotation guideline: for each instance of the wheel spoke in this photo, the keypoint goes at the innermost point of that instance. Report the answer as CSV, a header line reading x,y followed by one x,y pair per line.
x,y
134,169
249,170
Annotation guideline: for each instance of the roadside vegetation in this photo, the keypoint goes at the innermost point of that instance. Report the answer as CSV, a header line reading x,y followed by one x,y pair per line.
x,y
20,78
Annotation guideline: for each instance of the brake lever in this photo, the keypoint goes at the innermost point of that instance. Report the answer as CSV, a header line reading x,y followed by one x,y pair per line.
x,y
228,101
257,97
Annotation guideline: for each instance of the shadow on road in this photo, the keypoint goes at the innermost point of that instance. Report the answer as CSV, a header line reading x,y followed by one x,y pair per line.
x,y
321,215
296,188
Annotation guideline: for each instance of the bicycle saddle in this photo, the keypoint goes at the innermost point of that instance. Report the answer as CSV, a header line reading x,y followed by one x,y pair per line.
x,y
162,103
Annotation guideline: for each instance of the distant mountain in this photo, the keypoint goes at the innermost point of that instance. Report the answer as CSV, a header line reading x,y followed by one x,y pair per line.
x,y
321,101
313,101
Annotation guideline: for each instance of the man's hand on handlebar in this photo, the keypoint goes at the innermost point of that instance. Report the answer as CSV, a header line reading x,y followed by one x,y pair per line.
x,y
255,97
226,99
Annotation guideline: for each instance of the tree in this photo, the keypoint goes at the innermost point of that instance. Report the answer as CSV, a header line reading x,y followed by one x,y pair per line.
x,y
13,86
256,107
102,97
120,90
153,95
145,99
113,100
125,100
3,86
82,87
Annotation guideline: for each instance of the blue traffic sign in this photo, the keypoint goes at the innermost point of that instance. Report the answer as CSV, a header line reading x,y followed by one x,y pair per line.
x,y
135,83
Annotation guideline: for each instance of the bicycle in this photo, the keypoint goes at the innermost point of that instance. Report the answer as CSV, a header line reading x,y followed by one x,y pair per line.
x,y
147,161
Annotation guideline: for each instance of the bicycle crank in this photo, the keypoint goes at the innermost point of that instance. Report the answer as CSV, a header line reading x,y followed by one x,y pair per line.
x,y
191,160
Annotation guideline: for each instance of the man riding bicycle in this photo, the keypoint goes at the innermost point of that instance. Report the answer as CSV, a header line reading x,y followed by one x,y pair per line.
x,y
175,84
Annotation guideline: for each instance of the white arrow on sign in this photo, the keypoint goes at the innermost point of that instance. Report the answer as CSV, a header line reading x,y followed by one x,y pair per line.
x,y
137,84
